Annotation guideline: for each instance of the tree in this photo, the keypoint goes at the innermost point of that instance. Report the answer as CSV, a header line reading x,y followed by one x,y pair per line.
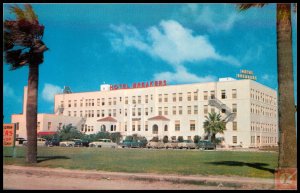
x,y
286,102
69,132
197,138
23,45
213,125
115,137
165,139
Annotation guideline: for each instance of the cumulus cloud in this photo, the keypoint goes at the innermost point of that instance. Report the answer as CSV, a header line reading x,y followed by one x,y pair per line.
x,y
215,19
172,43
49,91
268,77
8,92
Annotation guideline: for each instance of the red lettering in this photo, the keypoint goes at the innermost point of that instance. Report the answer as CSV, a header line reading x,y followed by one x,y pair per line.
x,y
156,83
151,84
165,82
134,85
115,87
139,85
143,85
160,83
146,84
111,87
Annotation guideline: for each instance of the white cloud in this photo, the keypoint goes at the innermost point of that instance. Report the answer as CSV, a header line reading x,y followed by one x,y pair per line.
x,y
214,18
49,91
182,76
171,42
8,90
268,77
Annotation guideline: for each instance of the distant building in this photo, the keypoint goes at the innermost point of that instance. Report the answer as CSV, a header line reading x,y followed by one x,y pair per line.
x,y
47,123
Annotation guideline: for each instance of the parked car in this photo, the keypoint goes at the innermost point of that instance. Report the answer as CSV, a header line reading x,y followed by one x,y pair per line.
x,y
20,140
81,143
171,144
103,143
40,142
52,142
154,144
134,143
187,144
206,145
69,143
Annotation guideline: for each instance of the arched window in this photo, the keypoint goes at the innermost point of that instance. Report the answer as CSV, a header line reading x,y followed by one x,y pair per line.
x,y
115,128
111,128
166,127
155,129
103,128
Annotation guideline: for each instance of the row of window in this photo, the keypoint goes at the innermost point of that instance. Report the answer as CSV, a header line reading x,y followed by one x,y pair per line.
x,y
138,111
176,97
261,110
263,139
263,97
263,127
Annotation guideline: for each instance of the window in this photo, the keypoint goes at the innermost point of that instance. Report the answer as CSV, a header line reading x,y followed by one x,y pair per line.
x,y
114,112
234,139
102,113
146,126
59,125
159,110
192,125
109,101
233,93
75,103
125,126
205,93
139,112
166,128
69,113
98,113
174,110
165,110
75,114
205,109
189,110
133,126
126,100
160,98
146,111
234,108
177,125
223,110
189,97
82,127
223,94
103,101
196,96
81,102
174,97
212,109
212,94
98,102
49,125
114,101
166,97
125,112
196,110
146,98
86,102
133,111
133,100
139,126
139,99
180,110
155,129
234,126
62,104
69,103
92,102
180,97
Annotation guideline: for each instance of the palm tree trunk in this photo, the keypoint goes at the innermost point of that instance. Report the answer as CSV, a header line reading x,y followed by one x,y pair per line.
x,y
31,114
286,103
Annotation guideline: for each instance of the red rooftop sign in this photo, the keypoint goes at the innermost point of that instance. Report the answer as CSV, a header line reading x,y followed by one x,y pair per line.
x,y
139,85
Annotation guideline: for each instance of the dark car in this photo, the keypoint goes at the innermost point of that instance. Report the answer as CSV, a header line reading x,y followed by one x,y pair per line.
x,y
206,145
134,143
81,143
52,142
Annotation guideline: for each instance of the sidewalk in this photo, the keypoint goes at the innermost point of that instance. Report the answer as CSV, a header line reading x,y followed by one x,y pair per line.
x,y
219,182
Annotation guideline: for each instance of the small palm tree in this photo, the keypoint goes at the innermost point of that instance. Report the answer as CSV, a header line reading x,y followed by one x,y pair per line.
x,y
23,45
213,125
287,156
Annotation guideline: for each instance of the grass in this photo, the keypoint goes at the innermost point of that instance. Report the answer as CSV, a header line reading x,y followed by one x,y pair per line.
x,y
228,163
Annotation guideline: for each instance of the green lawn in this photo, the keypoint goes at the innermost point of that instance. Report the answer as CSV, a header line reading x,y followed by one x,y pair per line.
x,y
248,164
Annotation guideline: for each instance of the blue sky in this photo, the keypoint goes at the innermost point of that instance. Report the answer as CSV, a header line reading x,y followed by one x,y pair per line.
x,y
125,43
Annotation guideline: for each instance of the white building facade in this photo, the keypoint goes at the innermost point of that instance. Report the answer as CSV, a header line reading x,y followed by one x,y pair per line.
x,y
249,108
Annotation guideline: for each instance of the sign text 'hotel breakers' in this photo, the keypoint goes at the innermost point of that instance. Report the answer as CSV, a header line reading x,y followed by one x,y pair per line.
x,y
139,85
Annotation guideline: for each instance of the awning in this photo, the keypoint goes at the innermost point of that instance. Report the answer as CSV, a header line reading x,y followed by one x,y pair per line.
x,y
42,133
107,119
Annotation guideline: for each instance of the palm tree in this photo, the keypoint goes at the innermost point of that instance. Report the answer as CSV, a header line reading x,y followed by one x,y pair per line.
x,y
23,45
213,125
286,106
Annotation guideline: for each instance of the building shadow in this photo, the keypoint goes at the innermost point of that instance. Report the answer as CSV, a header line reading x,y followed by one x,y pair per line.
x,y
260,166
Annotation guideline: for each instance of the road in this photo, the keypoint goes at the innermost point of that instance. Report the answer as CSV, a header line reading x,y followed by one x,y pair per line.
x,y
33,180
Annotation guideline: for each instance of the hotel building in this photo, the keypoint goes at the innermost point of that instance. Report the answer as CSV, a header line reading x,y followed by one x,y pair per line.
x,y
156,109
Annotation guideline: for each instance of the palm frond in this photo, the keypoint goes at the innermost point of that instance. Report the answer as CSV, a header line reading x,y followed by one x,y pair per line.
x,y
18,11
245,6
29,13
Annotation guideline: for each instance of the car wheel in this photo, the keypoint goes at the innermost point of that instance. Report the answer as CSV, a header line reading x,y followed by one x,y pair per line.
x,y
99,146
70,145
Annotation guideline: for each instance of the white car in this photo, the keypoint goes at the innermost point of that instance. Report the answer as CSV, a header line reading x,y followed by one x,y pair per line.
x,y
67,143
103,143
40,142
